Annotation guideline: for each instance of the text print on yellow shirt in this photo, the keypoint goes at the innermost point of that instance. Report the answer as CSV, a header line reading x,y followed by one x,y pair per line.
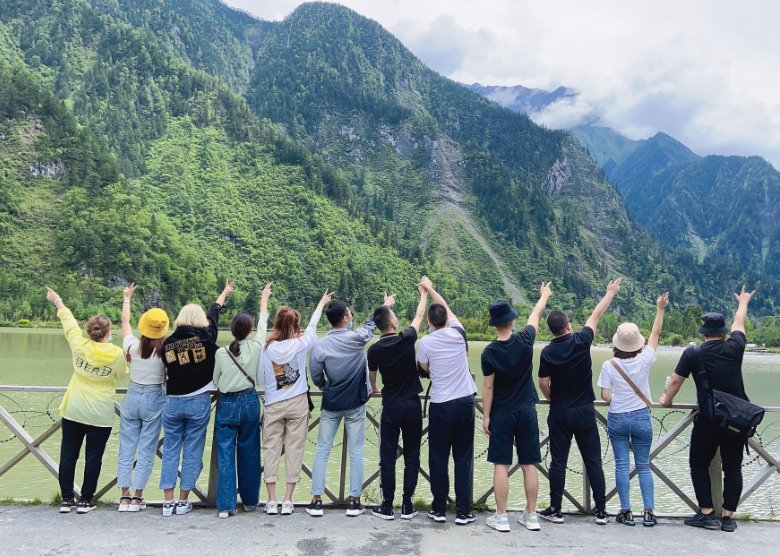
x,y
186,351
99,371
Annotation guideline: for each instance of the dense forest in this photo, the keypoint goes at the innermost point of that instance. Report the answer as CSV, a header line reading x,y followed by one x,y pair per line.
x,y
176,143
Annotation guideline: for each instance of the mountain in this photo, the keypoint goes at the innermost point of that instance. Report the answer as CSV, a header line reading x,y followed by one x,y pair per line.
x,y
646,159
522,99
607,147
316,151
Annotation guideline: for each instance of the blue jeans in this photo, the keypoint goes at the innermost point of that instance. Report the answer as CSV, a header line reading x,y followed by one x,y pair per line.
x,y
185,421
626,429
355,420
237,429
140,421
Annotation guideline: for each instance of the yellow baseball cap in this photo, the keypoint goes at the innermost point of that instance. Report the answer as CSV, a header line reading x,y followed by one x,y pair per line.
x,y
154,323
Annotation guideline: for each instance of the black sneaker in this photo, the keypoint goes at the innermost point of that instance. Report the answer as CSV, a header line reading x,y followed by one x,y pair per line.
x,y
408,510
648,519
465,519
705,521
438,517
625,517
355,508
602,517
385,511
315,508
552,515
85,506
728,524
67,505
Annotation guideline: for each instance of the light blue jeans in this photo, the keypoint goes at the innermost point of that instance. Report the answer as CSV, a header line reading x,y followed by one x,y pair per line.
x,y
627,429
355,420
140,421
185,421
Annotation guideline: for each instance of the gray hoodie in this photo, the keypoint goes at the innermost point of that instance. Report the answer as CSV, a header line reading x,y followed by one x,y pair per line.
x,y
338,367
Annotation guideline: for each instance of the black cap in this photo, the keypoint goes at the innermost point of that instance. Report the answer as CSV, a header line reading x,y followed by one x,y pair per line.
x,y
713,324
501,312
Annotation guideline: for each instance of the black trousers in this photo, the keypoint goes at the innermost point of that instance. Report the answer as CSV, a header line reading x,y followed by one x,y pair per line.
x,y
578,422
706,438
73,434
399,418
451,429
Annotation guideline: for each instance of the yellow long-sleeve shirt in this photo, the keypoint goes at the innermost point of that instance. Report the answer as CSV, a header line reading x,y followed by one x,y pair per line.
x,y
90,395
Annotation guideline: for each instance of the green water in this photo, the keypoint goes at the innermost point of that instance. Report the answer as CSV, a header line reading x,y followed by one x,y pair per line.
x,y
41,358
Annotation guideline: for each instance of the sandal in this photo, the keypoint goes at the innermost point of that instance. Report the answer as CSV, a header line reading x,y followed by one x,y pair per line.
x,y
124,507
141,505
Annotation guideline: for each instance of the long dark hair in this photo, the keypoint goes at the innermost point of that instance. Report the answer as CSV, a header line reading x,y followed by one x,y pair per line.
x,y
241,326
151,346
287,325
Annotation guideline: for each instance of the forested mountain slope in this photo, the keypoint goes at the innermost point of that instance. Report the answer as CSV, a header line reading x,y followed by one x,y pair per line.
x,y
348,163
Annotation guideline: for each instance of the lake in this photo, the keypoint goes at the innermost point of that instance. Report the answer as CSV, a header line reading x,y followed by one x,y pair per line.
x,y
42,358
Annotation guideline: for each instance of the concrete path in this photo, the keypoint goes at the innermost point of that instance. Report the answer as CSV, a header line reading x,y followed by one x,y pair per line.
x,y
41,530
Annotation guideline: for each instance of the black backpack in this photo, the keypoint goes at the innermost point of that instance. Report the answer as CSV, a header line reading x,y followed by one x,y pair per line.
x,y
732,414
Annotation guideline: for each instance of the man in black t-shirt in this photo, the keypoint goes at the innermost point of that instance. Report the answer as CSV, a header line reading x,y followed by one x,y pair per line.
x,y
394,357
566,379
722,360
509,401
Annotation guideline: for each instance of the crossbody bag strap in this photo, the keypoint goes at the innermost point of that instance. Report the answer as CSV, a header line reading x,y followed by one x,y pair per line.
x,y
240,368
631,384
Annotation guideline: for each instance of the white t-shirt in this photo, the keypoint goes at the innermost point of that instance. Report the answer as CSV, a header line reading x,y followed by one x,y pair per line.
x,y
282,367
624,399
445,352
143,371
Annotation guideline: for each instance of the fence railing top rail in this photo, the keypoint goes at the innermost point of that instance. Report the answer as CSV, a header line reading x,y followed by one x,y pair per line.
x,y
317,393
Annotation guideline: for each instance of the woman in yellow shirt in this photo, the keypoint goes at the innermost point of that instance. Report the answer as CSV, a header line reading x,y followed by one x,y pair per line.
x,y
87,409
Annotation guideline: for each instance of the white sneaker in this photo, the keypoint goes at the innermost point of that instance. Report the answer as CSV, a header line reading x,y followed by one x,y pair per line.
x,y
498,522
287,507
529,521
168,508
137,507
227,513
272,507
183,507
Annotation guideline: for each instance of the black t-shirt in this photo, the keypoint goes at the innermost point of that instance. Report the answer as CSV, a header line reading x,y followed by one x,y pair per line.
x,y
188,355
567,362
512,361
722,363
393,356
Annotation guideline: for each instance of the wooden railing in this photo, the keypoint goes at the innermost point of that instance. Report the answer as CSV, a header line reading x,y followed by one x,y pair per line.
x,y
208,496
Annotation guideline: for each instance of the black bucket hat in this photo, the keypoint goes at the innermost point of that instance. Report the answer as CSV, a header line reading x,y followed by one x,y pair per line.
x,y
713,324
501,312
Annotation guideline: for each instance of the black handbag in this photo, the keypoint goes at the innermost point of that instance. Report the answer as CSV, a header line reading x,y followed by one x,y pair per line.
x,y
731,413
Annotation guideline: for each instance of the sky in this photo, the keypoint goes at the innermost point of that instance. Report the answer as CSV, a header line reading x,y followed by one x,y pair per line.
x,y
705,72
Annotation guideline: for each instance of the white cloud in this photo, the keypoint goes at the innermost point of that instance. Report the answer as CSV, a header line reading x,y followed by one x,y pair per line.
x,y
706,72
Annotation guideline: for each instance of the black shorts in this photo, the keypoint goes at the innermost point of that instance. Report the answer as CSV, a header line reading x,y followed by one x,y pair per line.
x,y
508,429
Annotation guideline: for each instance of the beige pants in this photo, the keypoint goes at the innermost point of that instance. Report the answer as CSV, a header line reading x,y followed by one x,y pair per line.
x,y
285,426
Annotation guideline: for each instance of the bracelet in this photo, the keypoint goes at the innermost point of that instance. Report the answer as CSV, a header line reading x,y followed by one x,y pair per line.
x,y
57,300
125,301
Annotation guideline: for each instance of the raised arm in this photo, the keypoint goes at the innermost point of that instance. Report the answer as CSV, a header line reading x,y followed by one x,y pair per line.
x,y
739,318
366,332
127,294
309,337
229,288
545,293
69,324
420,313
658,323
425,282
612,289
262,323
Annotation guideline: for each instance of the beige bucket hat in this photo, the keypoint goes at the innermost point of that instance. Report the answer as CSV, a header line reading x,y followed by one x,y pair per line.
x,y
628,338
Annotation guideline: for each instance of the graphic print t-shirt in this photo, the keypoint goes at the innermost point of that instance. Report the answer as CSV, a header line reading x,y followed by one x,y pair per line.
x,y
188,355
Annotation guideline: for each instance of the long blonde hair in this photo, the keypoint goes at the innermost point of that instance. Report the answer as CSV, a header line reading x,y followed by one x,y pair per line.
x,y
191,315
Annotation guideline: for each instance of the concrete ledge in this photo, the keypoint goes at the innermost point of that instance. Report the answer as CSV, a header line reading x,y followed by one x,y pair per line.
x,y
42,530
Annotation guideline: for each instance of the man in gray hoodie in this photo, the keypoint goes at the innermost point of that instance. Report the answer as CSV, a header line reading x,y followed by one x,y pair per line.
x,y
338,367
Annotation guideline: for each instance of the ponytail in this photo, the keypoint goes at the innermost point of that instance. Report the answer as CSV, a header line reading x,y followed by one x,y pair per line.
x,y
286,325
241,327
